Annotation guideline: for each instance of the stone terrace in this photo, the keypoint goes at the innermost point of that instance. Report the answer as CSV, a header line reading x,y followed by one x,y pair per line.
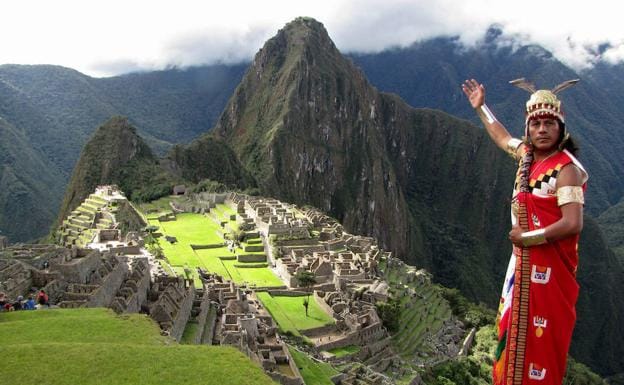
x,y
94,213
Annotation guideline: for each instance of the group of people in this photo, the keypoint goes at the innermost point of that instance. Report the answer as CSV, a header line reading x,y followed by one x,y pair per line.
x,y
38,301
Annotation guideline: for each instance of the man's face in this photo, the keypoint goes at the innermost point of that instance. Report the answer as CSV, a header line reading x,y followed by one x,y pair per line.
x,y
544,133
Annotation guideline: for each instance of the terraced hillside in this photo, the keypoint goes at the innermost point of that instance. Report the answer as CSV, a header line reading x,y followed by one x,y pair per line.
x,y
87,346
425,317
79,226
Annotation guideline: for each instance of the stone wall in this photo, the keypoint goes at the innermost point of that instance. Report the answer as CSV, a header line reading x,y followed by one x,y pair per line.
x,y
211,246
288,293
298,242
133,292
78,269
322,304
173,307
319,331
285,380
202,317
251,258
210,324
127,250
15,278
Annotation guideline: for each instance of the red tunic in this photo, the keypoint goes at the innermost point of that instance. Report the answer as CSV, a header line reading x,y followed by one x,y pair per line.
x,y
537,308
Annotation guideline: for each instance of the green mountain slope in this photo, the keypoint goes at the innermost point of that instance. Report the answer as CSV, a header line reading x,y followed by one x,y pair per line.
x,y
208,158
58,108
612,225
306,122
26,186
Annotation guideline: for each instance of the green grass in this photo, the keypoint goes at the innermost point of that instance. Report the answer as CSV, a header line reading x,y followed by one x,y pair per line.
x,y
198,229
192,229
225,211
345,351
190,332
313,372
260,276
156,208
52,326
289,313
94,346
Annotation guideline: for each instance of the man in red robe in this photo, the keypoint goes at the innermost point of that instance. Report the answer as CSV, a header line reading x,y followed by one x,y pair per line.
x,y
536,314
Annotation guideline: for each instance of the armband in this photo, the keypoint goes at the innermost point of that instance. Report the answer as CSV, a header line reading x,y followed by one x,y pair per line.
x,y
533,238
489,116
570,194
512,146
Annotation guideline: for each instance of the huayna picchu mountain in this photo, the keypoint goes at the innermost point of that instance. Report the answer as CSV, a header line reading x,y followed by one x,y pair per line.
x,y
432,188
309,126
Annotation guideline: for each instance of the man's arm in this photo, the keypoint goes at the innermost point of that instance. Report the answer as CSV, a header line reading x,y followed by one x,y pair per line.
x,y
571,222
569,190
475,93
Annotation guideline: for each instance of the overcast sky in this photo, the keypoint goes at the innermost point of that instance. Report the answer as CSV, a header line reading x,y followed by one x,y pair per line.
x,y
114,36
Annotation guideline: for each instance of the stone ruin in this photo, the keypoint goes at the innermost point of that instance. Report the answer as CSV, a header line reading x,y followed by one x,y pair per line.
x,y
245,324
171,301
70,277
346,269
353,265
132,294
269,216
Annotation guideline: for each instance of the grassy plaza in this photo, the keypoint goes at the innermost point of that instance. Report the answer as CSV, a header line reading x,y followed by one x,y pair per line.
x,y
290,315
191,229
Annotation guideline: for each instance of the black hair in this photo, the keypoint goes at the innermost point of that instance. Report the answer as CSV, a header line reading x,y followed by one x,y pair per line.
x,y
566,142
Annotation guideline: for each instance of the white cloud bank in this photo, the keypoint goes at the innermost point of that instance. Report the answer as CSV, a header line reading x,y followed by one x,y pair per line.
x,y
114,37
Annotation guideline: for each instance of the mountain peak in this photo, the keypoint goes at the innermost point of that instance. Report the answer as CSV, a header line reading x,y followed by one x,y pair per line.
x,y
304,36
304,29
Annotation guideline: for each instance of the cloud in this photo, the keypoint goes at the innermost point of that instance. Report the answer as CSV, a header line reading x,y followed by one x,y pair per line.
x,y
118,35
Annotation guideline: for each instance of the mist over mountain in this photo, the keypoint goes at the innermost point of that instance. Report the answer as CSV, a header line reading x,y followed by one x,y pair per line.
x,y
429,74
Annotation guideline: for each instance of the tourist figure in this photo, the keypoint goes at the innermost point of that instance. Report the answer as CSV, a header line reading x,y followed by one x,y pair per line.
x,y
30,303
42,298
18,304
536,314
3,300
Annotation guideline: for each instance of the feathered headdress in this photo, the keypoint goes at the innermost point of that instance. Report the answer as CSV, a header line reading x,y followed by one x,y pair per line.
x,y
543,103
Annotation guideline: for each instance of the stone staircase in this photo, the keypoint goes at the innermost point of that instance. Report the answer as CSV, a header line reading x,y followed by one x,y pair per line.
x,y
79,227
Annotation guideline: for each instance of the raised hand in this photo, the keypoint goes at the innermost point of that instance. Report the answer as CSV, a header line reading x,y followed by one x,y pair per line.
x,y
475,93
